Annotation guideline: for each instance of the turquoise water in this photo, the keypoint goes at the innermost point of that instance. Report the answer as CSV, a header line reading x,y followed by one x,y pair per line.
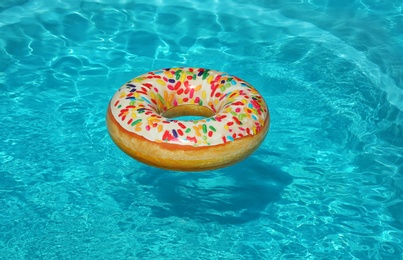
x,y
327,183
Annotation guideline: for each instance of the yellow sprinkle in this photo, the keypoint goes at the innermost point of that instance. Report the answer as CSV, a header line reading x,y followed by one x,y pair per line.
x,y
134,115
197,131
136,95
168,74
180,100
161,82
183,77
209,79
152,95
122,95
159,128
137,129
204,94
215,101
226,127
198,87
165,95
244,101
160,105
170,98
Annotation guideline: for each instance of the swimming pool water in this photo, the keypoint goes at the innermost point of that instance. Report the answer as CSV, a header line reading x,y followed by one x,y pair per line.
x,y
326,183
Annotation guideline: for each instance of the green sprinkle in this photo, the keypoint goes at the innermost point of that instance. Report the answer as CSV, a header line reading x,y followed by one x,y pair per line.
x,y
160,98
204,129
204,137
136,122
212,128
242,116
188,130
178,74
200,103
205,74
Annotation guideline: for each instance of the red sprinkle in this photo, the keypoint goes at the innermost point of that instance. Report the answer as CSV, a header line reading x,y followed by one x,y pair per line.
x,y
177,85
237,120
182,125
191,139
219,118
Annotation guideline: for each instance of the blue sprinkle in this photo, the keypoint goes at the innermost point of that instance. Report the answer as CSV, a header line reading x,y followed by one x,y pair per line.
x,y
146,100
171,80
230,138
175,133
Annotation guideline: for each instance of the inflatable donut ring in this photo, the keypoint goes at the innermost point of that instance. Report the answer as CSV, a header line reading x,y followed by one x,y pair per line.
x,y
141,119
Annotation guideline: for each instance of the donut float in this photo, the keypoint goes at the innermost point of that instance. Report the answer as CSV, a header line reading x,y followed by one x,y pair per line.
x,y
141,119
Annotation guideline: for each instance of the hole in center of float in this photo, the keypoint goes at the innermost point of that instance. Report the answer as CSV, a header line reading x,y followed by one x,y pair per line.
x,y
188,112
